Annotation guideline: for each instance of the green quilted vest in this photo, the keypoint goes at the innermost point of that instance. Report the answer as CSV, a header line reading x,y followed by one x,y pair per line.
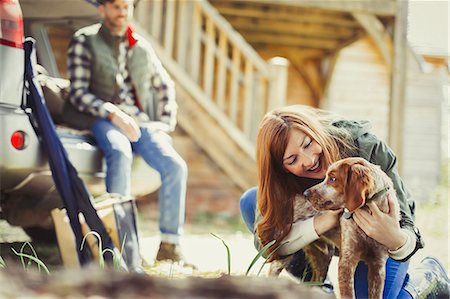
x,y
104,49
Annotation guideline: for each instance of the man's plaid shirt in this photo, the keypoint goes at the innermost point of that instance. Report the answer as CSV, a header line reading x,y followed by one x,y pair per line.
x,y
79,61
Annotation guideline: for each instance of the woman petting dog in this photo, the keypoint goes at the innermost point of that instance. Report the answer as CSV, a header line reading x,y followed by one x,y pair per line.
x,y
295,147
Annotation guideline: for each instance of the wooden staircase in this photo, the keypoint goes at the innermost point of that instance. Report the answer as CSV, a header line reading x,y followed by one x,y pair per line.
x,y
223,86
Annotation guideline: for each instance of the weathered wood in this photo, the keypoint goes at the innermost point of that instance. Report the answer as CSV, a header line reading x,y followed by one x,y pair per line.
x,y
277,92
195,43
279,11
222,70
93,282
169,27
216,142
234,84
380,7
234,38
296,26
377,32
208,64
156,15
194,90
398,83
255,36
248,98
183,31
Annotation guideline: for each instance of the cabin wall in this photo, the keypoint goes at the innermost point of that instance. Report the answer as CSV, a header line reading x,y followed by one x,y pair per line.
x,y
359,89
298,91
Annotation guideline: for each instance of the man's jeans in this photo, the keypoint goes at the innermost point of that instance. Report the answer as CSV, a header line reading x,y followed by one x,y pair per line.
x,y
157,151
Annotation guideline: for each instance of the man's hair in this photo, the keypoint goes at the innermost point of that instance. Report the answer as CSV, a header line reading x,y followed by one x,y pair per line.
x,y
102,2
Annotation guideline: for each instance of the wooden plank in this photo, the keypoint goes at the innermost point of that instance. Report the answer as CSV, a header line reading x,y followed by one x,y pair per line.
x,y
208,65
141,13
379,35
290,40
278,82
183,31
380,7
215,141
296,26
248,98
234,81
271,50
156,13
398,83
283,12
221,70
195,43
186,81
169,26
234,37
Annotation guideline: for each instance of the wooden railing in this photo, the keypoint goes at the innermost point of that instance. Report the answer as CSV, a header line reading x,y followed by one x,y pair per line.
x,y
215,64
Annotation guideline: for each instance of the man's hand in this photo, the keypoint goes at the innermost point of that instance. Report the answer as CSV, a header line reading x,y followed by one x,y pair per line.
x,y
382,227
126,124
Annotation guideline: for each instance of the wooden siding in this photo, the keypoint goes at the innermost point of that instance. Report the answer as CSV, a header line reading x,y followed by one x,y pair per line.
x,y
360,86
360,89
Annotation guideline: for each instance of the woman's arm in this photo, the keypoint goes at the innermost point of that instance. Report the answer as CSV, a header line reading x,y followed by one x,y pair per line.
x,y
377,152
304,232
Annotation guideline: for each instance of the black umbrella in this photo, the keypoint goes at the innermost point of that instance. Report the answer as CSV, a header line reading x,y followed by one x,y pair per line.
x,y
75,196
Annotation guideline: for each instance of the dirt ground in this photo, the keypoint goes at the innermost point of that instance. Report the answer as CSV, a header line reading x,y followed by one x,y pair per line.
x,y
209,254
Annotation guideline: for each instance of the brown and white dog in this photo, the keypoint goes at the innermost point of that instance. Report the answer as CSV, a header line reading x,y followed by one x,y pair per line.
x,y
351,183
317,253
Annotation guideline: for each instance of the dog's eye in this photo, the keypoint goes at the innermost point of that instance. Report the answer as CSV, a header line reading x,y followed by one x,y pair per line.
x,y
331,179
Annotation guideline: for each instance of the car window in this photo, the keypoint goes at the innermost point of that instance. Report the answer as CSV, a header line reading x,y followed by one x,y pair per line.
x,y
52,41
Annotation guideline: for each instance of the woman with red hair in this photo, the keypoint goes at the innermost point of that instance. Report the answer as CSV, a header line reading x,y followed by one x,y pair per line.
x,y
295,146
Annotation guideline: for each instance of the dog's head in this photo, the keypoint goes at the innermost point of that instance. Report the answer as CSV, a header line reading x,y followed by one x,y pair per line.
x,y
347,184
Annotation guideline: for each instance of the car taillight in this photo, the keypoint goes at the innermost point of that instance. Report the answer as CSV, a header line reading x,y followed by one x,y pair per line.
x,y
18,140
11,24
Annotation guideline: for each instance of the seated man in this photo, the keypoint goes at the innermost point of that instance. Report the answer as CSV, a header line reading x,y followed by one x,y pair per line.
x,y
128,101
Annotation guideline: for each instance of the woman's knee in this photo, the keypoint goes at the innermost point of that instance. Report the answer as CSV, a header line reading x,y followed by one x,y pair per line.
x,y
248,200
247,204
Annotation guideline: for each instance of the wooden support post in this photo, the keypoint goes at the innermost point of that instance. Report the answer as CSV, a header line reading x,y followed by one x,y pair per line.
x,y
398,83
278,87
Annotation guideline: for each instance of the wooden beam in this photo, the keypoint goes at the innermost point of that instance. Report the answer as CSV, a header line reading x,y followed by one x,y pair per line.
x,y
398,83
271,50
380,7
290,40
379,35
283,12
291,26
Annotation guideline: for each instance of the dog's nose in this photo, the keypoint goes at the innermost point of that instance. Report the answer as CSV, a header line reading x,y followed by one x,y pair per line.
x,y
307,193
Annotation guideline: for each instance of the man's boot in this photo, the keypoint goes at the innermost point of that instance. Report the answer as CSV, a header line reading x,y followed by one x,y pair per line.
x,y
172,252
428,280
169,251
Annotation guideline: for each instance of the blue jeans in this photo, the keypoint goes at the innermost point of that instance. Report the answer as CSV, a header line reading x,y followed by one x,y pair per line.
x,y
396,272
157,151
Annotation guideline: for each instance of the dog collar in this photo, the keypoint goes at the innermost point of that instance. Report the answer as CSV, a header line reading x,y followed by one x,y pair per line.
x,y
349,215
379,193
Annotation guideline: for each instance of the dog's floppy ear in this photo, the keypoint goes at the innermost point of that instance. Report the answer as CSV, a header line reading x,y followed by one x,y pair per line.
x,y
358,183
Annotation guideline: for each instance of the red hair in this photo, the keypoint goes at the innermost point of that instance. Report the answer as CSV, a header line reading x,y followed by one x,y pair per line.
x,y
278,187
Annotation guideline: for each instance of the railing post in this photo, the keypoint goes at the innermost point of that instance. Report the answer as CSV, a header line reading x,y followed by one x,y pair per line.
x,y
278,83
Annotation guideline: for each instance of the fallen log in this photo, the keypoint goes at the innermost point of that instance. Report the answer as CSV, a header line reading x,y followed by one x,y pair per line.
x,y
98,283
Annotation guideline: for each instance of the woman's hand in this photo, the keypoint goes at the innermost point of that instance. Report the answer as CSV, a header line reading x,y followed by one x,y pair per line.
x,y
382,227
326,221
